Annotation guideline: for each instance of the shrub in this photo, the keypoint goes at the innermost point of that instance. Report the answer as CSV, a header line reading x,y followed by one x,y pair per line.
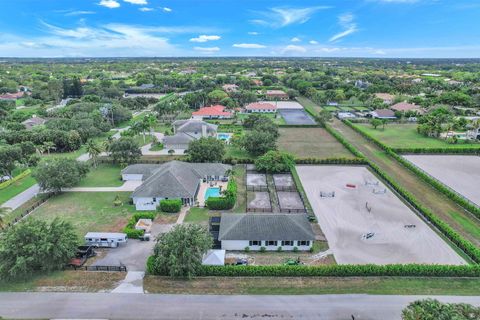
x,y
247,249
274,162
279,249
295,249
171,205
263,249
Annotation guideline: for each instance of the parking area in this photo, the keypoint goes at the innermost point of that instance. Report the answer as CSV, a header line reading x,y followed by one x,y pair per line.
x,y
133,254
286,105
296,116
459,172
258,202
364,222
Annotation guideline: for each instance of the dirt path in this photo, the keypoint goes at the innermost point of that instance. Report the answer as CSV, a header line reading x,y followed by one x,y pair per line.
x,y
460,220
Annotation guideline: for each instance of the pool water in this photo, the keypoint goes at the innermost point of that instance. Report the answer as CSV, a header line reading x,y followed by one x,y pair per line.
x,y
224,136
212,192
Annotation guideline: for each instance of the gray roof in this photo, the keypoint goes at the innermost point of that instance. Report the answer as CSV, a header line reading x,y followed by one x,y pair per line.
x,y
179,138
265,226
177,179
193,126
144,169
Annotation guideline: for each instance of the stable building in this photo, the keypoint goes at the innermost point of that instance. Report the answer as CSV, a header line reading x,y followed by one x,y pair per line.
x,y
268,230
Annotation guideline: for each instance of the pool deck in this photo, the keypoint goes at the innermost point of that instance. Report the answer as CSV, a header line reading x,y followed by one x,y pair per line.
x,y
203,188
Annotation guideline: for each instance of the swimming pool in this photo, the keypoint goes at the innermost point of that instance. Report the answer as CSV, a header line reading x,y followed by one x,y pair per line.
x,y
212,192
224,136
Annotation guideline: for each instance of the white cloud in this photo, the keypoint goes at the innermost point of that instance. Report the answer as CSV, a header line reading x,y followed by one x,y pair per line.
x,y
293,49
112,4
79,13
249,46
253,33
205,38
284,16
208,50
295,39
313,42
166,9
346,21
137,2
146,9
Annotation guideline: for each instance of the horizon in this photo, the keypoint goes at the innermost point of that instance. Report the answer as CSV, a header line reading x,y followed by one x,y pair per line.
x,y
393,29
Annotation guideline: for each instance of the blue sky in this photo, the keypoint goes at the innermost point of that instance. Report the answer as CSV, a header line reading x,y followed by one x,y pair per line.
x,y
132,28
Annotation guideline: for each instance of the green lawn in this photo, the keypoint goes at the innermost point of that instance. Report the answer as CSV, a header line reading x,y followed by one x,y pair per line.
x,y
197,215
88,211
309,105
276,117
406,136
235,152
16,188
239,176
361,108
346,108
313,285
105,175
330,108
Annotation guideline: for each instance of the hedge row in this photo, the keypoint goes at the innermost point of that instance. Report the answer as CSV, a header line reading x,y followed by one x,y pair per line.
x,y
449,193
228,200
130,230
22,175
300,126
456,150
469,248
330,161
171,205
407,270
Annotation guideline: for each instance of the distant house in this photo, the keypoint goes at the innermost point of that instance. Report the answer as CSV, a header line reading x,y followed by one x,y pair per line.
x,y
257,82
387,98
212,112
271,231
171,180
260,107
403,107
34,121
277,95
382,114
12,96
186,131
230,87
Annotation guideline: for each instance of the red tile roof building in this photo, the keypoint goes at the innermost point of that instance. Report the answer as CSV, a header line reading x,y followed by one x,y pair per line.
x,y
261,107
212,112
403,106
277,94
12,96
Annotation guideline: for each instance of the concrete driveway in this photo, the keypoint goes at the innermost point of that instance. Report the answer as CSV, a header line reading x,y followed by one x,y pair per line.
x,y
134,254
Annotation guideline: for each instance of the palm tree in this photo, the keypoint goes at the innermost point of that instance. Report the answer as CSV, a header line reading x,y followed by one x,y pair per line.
x,y
93,149
150,121
49,145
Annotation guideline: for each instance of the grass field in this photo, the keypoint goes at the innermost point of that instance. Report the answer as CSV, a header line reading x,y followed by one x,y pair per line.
x,y
406,136
196,215
235,152
276,117
309,105
16,188
313,285
311,143
88,211
105,175
330,108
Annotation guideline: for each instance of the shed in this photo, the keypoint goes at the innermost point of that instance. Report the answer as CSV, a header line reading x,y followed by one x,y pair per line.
x,y
144,224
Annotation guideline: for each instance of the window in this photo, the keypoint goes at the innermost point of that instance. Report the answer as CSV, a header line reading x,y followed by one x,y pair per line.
x,y
272,243
254,243
303,243
287,243
103,239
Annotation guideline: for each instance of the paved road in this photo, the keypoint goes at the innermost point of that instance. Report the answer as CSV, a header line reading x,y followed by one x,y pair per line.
x,y
21,198
153,306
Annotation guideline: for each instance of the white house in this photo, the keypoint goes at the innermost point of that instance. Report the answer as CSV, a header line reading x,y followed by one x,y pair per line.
x,y
267,230
260,107
171,180
186,131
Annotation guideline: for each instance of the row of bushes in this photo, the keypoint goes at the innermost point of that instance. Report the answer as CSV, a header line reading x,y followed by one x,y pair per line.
x,y
397,270
452,195
460,150
470,249
130,230
22,175
227,201
330,161
171,205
